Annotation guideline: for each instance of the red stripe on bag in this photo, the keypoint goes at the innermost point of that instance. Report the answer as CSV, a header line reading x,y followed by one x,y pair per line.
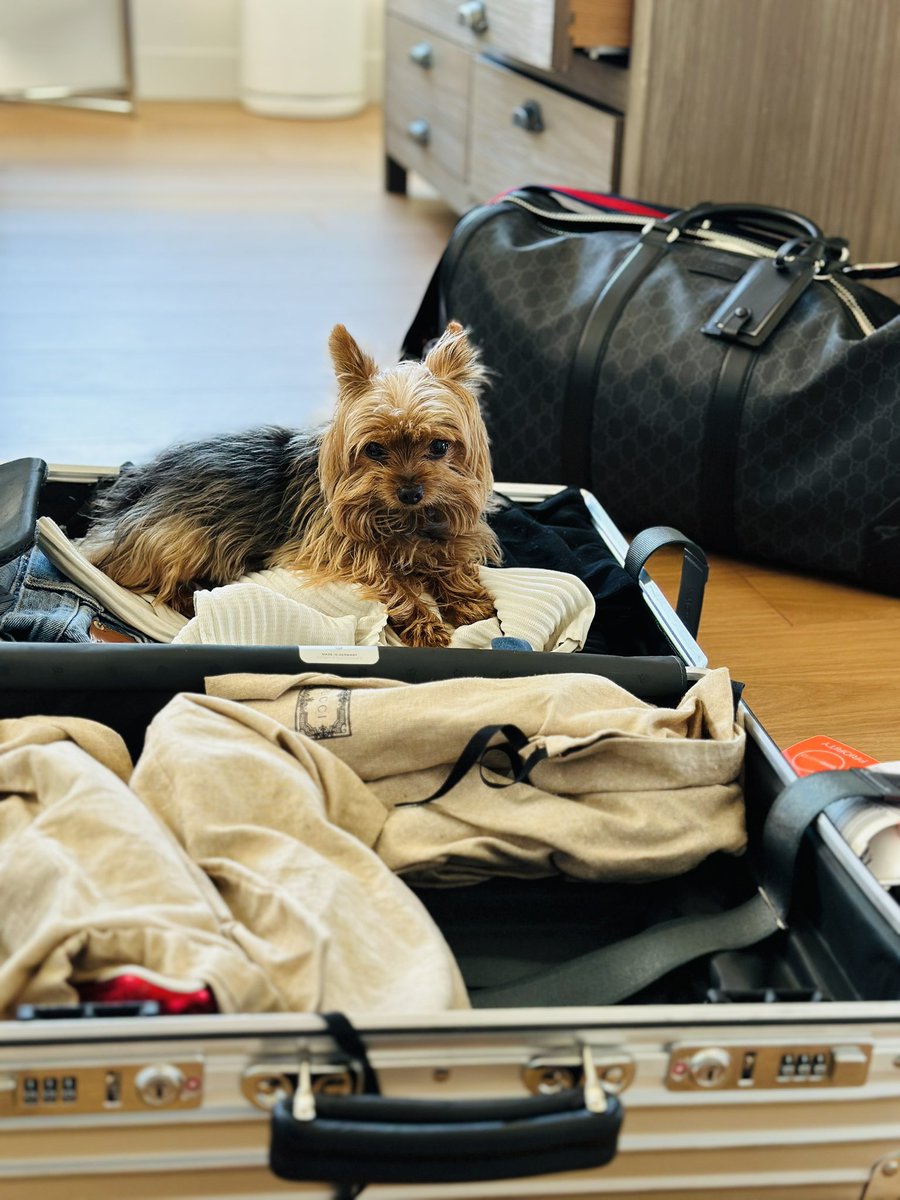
x,y
599,200
616,203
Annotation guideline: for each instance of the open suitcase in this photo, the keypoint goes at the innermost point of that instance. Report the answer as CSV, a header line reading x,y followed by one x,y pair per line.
x,y
762,1061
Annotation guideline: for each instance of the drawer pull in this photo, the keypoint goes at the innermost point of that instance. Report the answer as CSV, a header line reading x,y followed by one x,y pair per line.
x,y
422,55
473,14
419,131
528,116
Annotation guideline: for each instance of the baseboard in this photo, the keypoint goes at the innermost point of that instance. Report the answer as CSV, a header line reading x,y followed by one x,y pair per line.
x,y
172,73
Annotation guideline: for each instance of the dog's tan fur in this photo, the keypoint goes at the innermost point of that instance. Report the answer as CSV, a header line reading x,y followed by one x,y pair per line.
x,y
414,429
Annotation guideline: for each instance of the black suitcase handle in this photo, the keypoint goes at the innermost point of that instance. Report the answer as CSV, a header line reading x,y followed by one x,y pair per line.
x,y
352,1141
694,570
378,1139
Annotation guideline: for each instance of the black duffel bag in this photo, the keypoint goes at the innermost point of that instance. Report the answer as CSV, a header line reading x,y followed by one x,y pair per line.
x,y
719,369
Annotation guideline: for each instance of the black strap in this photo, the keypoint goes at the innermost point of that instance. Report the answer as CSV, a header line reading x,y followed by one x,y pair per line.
x,y
795,810
476,750
718,464
614,973
581,389
347,1038
694,569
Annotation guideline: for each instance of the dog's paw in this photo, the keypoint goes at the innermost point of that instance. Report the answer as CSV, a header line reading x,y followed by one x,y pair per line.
x,y
425,632
467,612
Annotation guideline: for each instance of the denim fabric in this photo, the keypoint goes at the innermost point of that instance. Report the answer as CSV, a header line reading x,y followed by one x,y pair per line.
x,y
39,604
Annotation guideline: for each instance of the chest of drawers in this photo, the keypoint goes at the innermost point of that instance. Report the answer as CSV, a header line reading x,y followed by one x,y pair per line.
x,y
480,97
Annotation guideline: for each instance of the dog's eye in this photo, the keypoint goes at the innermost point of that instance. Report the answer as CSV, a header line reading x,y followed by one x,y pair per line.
x,y
374,450
438,448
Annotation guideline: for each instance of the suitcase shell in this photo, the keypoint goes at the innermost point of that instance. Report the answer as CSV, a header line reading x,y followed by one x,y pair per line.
x,y
693,1124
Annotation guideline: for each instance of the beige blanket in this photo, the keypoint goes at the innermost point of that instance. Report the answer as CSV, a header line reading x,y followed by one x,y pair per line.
x,y
628,792
200,880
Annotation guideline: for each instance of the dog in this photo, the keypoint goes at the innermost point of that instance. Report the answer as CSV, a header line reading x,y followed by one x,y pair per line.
x,y
392,495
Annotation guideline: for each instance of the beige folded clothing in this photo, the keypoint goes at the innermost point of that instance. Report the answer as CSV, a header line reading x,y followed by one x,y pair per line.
x,y
627,792
550,610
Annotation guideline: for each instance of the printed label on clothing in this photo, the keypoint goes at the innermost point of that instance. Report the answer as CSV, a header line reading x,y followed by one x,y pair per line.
x,y
323,712
328,654
825,754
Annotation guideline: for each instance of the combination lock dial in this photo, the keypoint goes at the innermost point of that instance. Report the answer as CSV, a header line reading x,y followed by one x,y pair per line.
x,y
767,1065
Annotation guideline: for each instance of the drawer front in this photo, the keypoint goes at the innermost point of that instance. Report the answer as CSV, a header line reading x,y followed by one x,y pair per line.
x,y
577,146
426,81
520,29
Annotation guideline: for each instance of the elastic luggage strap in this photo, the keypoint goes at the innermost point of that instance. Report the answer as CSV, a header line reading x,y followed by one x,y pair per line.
x,y
616,972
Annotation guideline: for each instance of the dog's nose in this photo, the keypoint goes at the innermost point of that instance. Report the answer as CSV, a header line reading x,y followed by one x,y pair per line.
x,y
410,493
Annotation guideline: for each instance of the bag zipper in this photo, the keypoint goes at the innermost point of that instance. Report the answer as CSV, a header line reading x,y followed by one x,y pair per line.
x,y
851,303
731,243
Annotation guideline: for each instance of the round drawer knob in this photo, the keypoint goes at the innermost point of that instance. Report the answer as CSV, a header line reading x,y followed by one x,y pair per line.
x,y
419,131
528,116
473,14
422,55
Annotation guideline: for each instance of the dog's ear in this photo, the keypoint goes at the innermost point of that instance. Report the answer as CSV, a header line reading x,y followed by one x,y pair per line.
x,y
454,359
352,366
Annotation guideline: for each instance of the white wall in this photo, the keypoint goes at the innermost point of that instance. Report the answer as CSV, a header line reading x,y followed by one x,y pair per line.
x,y
183,49
189,49
186,49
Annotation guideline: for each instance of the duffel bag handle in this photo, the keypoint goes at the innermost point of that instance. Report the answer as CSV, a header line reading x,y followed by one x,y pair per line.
x,y
352,1141
781,222
694,570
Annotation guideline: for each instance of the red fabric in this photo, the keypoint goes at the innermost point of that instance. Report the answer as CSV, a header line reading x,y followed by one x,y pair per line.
x,y
601,200
615,203
133,987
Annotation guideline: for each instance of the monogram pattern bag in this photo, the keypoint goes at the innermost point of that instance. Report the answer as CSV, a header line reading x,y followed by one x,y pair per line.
x,y
720,369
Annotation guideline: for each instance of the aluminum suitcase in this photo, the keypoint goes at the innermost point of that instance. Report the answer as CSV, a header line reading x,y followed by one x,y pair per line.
x,y
770,1071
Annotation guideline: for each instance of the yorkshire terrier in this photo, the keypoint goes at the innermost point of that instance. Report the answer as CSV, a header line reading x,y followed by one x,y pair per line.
x,y
391,495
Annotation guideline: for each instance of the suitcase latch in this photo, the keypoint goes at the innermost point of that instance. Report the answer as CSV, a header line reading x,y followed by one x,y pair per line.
x,y
545,1076
264,1084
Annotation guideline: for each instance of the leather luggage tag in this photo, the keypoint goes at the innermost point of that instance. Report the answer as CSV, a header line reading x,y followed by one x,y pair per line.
x,y
765,294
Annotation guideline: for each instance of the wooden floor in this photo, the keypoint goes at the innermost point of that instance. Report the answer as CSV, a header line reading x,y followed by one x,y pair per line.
x,y
178,274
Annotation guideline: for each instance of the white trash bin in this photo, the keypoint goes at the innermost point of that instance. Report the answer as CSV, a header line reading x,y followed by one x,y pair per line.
x,y
303,58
